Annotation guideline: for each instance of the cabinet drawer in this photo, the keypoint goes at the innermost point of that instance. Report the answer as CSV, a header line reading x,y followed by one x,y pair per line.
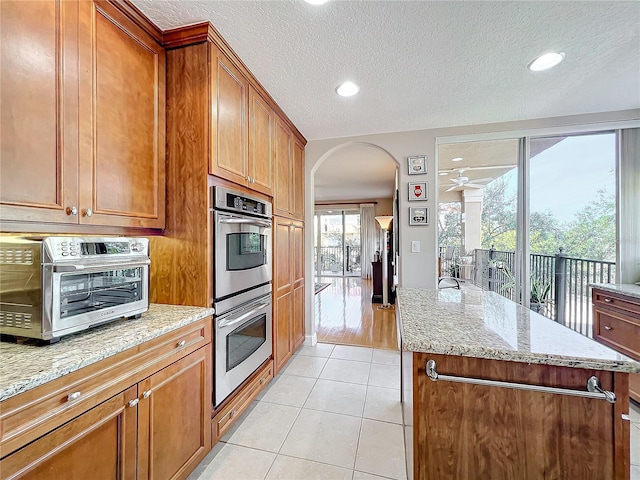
x,y
617,330
229,414
27,416
626,304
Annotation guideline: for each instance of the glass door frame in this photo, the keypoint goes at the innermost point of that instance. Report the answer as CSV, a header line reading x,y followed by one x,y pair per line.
x,y
343,212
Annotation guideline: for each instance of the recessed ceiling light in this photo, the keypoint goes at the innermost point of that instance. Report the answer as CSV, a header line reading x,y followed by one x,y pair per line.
x,y
316,2
457,159
442,174
347,89
546,61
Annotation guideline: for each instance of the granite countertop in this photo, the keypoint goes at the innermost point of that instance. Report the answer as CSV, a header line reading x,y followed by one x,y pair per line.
x,y
26,366
628,289
487,325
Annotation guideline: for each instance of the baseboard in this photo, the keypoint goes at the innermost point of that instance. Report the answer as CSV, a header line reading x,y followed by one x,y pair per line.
x,y
311,340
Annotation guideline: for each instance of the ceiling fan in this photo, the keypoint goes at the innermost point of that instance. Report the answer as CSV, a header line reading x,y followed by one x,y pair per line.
x,y
463,182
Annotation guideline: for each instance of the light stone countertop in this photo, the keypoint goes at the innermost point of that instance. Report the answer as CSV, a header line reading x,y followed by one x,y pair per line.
x,y
628,289
487,325
26,366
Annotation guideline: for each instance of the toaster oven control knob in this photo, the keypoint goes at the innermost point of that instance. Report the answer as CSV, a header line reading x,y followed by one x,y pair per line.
x,y
137,247
73,210
88,212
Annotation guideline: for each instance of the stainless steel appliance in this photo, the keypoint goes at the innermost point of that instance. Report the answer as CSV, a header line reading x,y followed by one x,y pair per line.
x,y
243,336
242,242
55,286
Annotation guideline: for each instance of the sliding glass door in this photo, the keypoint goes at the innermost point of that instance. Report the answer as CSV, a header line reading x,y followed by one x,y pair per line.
x,y
337,243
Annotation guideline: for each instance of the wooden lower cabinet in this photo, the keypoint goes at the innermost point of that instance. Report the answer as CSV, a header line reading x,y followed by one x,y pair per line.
x,y
463,430
100,443
173,428
158,429
282,348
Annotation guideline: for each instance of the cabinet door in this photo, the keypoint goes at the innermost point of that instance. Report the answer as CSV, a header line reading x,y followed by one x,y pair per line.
x,y
229,94
282,169
39,98
100,443
282,256
298,180
122,121
260,143
298,312
282,351
174,418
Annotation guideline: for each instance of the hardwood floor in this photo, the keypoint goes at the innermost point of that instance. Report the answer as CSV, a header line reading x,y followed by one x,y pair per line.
x,y
345,315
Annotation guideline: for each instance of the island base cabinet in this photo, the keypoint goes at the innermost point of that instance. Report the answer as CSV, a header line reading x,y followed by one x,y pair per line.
x,y
467,431
99,443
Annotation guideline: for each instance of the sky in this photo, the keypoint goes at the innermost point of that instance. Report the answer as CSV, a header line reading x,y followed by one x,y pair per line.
x,y
567,176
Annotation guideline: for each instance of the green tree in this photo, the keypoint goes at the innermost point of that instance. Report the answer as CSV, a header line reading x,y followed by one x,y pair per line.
x,y
449,225
592,234
498,217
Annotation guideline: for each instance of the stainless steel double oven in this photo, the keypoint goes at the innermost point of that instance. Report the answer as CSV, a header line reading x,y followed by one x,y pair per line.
x,y
242,287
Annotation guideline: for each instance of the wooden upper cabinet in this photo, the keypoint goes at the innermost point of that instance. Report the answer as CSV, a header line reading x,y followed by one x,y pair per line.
x,y
39,98
229,139
282,169
298,180
260,165
122,120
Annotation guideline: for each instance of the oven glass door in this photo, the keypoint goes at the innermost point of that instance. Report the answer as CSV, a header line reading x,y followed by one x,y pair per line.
x,y
242,249
87,292
245,340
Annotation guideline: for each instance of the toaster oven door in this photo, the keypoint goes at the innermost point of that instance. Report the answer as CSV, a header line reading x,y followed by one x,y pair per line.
x,y
85,296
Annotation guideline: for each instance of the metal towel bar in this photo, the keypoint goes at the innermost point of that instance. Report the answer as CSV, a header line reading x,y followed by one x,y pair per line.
x,y
593,385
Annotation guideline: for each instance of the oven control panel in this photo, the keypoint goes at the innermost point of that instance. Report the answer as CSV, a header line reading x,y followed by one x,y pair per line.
x,y
236,201
70,248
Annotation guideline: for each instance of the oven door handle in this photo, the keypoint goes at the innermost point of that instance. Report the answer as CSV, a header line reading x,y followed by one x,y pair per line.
x,y
243,317
246,221
101,267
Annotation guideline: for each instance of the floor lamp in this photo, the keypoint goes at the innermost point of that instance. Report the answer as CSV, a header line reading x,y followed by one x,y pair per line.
x,y
384,222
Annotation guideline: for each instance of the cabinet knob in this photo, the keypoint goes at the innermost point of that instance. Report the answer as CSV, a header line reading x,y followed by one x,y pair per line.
x,y
146,394
253,180
607,327
232,413
88,212
73,210
73,396
181,343
608,300
134,402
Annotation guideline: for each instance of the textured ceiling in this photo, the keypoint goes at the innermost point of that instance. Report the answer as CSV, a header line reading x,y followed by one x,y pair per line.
x,y
424,64
355,172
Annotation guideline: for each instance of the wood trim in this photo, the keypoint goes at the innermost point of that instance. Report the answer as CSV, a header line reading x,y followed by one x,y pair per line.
x,y
621,428
206,32
36,228
139,18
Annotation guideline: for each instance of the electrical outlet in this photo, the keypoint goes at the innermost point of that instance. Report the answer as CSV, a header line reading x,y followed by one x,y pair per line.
x,y
415,246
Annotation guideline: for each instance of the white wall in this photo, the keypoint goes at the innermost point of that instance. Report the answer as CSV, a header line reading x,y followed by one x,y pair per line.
x,y
420,269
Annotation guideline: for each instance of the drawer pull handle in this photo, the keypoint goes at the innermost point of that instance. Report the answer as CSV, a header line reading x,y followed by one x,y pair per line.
x,y
607,327
232,413
134,402
608,300
73,396
593,385
181,343
262,380
146,394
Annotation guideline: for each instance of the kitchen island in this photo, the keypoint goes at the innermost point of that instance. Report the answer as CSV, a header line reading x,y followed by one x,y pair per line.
x,y
494,390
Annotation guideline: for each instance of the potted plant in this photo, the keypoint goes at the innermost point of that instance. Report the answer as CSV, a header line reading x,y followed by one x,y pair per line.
x,y
454,269
539,291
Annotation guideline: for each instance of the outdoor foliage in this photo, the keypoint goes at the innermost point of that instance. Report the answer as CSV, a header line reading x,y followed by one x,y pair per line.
x,y
449,227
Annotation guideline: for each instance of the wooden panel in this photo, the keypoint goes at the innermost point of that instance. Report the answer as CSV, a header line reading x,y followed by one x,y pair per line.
x,y
298,180
38,123
233,408
618,330
101,442
174,431
298,319
282,258
229,94
282,169
472,431
25,417
260,143
297,252
122,124
182,260
282,310
298,311
634,386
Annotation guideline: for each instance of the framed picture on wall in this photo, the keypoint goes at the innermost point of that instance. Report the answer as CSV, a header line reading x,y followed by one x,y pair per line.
x,y
418,216
418,191
417,165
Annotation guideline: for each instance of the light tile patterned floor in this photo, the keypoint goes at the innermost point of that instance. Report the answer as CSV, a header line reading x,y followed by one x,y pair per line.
x,y
332,414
